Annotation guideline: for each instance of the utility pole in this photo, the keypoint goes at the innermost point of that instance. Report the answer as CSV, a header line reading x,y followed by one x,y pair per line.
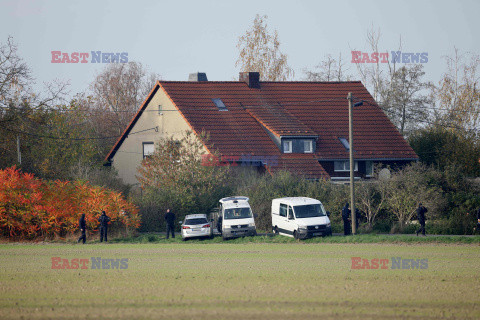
x,y
352,163
19,152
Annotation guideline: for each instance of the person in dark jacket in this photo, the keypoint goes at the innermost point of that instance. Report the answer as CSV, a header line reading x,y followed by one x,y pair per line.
x,y
170,219
421,210
219,223
477,228
83,226
358,215
104,220
346,219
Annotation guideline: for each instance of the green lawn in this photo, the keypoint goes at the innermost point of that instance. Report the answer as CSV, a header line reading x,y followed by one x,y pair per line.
x,y
235,280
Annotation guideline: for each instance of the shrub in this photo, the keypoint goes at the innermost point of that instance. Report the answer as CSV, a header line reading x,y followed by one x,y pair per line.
x,y
31,208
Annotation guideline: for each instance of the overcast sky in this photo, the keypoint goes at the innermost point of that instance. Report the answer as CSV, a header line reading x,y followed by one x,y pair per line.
x,y
175,38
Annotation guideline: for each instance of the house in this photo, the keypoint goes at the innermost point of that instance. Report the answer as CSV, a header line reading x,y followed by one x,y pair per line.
x,y
301,127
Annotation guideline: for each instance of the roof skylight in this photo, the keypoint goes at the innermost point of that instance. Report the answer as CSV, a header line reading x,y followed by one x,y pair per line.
x,y
219,104
345,143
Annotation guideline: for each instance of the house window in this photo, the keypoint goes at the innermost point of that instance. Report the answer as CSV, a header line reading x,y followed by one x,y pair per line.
x,y
342,166
307,146
148,149
160,109
287,146
369,168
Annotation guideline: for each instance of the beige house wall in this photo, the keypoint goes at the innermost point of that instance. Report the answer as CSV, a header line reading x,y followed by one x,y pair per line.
x,y
170,122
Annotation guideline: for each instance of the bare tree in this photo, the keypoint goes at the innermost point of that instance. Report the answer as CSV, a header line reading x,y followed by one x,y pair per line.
x,y
405,99
16,82
23,111
260,52
329,69
14,73
372,74
120,88
457,95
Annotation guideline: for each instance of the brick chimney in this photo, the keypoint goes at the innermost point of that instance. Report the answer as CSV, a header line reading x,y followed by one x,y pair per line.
x,y
252,79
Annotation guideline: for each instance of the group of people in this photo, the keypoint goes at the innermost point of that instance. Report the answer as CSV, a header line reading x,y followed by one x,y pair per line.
x,y
421,210
103,220
346,217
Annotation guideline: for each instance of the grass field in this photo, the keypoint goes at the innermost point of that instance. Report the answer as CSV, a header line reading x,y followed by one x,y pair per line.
x,y
235,280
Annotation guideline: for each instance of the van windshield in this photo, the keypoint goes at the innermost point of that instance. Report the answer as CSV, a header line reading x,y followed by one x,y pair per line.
x,y
309,211
237,213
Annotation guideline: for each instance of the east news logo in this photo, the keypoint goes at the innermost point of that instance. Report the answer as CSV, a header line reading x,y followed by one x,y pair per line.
x,y
396,263
96,57
382,57
94,262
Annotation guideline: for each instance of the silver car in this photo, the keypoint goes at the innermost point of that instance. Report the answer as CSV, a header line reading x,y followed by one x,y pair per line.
x,y
196,226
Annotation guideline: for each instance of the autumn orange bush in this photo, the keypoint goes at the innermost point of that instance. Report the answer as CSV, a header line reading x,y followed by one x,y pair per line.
x,y
31,208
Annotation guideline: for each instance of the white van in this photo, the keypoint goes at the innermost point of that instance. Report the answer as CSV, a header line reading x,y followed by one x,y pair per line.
x,y
300,217
235,218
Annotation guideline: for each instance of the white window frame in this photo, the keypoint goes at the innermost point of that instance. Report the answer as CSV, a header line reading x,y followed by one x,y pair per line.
x,y
368,174
305,143
289,144
346,166
144,144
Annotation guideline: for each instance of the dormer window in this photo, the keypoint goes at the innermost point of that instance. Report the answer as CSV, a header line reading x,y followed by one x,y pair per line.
x,y
307,146
344,166
287,146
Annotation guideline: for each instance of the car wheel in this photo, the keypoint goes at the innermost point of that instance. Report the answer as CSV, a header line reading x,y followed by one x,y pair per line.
x,y
224,238
184,239
295,235
275,230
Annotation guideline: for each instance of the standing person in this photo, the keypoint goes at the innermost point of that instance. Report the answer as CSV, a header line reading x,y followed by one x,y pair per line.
x,y
421,210
477,228
357,218
219,223
104,220
83,226
170,219
346,219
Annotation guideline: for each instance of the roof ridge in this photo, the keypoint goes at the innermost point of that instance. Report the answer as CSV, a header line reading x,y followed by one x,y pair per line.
x,y
241,82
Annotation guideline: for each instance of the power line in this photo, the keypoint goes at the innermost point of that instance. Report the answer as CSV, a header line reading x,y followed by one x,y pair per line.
x,y
370,102
337,99
174,110
74,139
433,123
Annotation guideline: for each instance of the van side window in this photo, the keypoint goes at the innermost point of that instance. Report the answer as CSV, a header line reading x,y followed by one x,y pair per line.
x,y
283,210
290,213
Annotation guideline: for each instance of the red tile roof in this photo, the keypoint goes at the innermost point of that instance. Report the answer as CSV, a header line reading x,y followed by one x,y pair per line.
x,y
305,165
286,109
279,121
